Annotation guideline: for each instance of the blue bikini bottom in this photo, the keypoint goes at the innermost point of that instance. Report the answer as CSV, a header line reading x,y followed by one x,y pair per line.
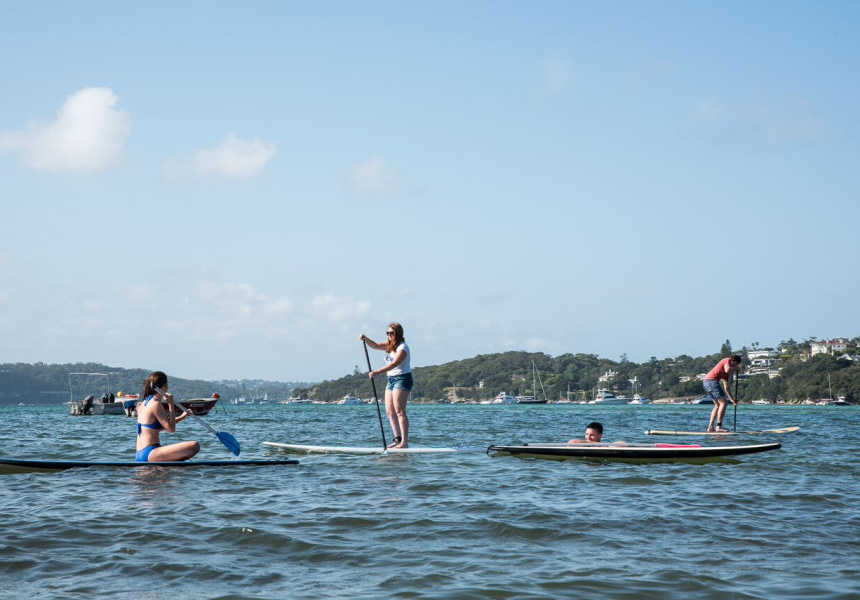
x,y
143,455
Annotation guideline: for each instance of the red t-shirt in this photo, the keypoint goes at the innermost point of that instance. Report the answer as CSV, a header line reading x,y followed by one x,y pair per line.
x,y
719,372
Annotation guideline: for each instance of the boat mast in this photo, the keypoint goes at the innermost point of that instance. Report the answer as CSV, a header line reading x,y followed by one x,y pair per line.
x,y
534,380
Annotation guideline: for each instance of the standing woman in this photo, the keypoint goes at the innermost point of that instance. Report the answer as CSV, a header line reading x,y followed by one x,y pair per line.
x,y
399,381
152,418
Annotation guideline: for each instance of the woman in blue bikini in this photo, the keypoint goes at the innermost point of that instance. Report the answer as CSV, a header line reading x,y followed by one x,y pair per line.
x,y
152,418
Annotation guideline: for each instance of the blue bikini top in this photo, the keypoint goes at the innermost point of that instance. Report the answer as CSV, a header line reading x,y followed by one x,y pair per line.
x,y
156,425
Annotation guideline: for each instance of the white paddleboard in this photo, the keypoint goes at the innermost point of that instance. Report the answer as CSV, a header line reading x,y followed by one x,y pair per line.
x,y
368,449
660,432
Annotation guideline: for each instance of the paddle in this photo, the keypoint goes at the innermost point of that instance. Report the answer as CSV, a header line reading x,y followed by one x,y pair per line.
x,y
228,440
735,426
375,398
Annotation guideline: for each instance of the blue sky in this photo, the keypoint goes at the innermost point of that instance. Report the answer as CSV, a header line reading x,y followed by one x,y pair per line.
x,y
237,190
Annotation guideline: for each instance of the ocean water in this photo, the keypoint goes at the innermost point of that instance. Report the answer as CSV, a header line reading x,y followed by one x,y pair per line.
x,y
781,524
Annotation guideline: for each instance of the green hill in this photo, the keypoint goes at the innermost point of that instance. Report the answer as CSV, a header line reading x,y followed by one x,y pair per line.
x,y
42,383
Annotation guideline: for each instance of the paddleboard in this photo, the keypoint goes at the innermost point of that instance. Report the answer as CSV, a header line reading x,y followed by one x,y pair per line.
x,y
660,432
369,450
649,452
15,464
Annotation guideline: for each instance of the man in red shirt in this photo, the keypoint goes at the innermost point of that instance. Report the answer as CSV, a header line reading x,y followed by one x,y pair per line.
x,y
717,387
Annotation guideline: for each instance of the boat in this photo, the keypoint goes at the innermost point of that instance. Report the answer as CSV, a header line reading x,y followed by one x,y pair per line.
x,y
533,399
703,400
761,402
293,400
630,452
840,401
662,432
528,400
105,404
309,449
604,396
201,406
637,399
504,398
350,400
13,465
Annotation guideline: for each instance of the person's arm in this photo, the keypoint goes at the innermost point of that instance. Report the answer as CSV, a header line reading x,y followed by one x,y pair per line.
x,y
725,384
166,418
371,343
399,357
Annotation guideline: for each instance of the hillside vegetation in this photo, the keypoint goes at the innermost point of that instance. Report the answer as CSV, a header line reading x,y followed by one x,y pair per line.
x,y
49,383
573,376
484,376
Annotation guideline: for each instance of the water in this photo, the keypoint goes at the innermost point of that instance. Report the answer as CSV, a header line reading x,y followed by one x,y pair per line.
x,y
781,524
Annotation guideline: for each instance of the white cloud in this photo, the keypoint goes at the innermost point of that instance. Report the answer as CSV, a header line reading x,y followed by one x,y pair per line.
x,y
233,159
767,121
556,74
88,136
373,177
336,308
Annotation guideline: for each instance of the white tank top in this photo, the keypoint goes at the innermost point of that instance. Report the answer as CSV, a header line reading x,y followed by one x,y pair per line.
x,y
403,367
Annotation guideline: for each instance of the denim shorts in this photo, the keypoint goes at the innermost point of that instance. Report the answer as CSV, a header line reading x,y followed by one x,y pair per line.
x,y
400,382
714,389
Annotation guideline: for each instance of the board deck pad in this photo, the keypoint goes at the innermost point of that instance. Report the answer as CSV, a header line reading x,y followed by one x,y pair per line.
x,y
631,451
763,431
309,449
61,465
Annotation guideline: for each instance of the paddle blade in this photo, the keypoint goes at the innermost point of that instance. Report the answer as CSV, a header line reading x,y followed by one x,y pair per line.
x,y
229,441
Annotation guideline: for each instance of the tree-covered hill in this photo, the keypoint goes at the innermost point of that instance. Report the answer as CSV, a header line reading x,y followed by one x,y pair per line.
x,y
573,376
576,376
49,383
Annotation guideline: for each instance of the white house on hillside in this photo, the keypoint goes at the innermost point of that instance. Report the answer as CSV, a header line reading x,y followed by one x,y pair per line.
x,y
828,346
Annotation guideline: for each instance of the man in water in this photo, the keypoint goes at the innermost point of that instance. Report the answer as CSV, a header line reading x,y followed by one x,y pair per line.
x,y
593,434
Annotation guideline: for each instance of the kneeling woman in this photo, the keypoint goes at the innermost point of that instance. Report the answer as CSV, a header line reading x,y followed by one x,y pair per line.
x,y
152,418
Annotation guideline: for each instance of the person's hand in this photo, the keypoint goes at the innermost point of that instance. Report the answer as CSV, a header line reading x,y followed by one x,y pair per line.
x,y
362,337
371,375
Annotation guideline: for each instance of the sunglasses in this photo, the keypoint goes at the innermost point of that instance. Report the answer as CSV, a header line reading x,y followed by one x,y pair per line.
x,y
389,333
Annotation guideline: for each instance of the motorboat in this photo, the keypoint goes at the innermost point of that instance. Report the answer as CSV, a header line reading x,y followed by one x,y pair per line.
x,y
294,400
200,406
637,399
350,400
604,396
761,402
703,400
106,404
504,398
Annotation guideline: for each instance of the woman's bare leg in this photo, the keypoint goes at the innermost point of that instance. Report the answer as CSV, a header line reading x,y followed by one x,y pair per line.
x,y
174,452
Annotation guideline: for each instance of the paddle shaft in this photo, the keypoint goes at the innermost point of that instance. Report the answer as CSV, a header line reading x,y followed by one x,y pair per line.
x,y
375,397
225,438
735,426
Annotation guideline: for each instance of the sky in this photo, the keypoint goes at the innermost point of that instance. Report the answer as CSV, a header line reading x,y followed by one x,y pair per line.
x,y
231,190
